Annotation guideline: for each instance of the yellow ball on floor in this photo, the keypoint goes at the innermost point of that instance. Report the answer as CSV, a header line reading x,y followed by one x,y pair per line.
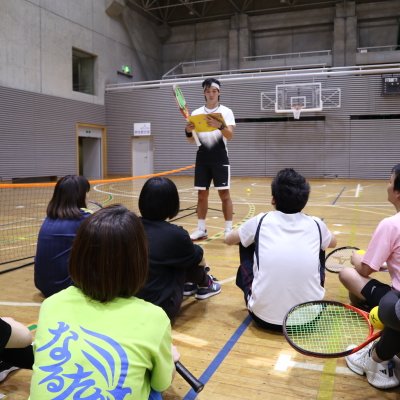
x,y
248,190
374,319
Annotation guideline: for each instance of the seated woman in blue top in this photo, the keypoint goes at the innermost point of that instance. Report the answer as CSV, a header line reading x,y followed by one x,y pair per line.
x,y
65,213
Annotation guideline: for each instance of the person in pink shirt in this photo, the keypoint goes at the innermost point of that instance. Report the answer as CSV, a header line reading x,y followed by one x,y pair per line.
x,y
384,246
366,292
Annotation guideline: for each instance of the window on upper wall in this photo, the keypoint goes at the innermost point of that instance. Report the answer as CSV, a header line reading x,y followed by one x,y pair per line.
x,y
83,71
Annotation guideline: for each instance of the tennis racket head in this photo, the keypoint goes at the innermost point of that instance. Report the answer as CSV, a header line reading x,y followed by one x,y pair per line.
x,y
339,258
327,329
180,101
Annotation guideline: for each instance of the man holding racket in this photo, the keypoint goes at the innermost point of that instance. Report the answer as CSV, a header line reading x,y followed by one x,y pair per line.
x,y
212,162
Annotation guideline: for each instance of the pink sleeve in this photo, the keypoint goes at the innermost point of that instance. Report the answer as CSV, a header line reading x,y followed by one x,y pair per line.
x,y
380,246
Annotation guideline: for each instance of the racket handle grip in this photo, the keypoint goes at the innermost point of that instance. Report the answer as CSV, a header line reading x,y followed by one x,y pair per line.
x,y
196,385
196,138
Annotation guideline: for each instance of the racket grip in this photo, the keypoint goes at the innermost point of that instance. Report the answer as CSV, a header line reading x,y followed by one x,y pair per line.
x,y
196,385
196,138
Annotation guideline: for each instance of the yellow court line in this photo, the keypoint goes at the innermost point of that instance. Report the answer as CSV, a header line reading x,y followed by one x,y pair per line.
x,y
325,391
249,215
327,381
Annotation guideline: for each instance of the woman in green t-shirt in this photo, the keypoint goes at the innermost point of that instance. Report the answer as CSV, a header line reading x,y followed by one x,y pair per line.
x,y
96,339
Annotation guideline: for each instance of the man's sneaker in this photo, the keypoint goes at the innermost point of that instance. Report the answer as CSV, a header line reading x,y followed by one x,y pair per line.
x,y
380,375
189,289
198,234
5,369
356,361
206,292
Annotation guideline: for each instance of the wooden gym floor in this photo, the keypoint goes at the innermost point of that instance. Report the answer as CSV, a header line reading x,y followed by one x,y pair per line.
x,y
216,340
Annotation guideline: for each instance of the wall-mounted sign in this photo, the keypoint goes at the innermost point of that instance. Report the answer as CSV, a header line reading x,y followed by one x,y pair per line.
x,y
142,129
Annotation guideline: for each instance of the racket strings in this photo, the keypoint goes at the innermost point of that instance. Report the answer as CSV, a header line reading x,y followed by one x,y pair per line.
x,y
336,261
326,329
180,98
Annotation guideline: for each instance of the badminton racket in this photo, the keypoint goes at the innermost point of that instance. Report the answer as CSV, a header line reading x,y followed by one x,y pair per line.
x,y
183,108
328,329
339,258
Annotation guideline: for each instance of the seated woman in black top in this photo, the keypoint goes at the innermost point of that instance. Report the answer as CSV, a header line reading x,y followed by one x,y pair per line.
x,y
177,266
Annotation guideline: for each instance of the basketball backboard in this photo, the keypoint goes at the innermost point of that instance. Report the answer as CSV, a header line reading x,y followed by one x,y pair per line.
x,y
297,98
304,95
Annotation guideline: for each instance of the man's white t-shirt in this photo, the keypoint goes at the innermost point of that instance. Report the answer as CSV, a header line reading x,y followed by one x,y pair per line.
x,y
289,270
211,138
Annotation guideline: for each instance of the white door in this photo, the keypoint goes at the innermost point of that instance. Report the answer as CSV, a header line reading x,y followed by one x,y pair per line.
x,y
142,155
90,152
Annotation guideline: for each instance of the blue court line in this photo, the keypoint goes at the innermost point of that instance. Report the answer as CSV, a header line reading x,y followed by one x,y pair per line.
x,y
207,374
337,197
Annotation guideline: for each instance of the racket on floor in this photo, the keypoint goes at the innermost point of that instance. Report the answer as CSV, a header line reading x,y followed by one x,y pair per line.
x,y
183,108
339,258
328,328
196,385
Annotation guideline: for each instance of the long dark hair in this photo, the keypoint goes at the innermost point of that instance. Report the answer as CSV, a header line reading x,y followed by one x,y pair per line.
x,y
69,197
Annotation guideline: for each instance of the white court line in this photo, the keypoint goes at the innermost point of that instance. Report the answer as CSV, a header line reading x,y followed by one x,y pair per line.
x,y
19,304
285,362
227,280
357,193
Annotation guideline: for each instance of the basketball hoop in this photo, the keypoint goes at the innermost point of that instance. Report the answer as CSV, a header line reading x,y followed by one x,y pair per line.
x,y
296,111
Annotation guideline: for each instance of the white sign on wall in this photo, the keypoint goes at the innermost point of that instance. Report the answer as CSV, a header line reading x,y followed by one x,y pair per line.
x,y
142,129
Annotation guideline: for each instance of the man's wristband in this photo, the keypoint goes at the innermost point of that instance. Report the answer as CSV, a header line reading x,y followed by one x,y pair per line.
x,y
188,134
222,127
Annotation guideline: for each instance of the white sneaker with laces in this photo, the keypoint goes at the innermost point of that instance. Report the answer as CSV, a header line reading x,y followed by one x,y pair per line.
x,y
380,375
198,234
356,361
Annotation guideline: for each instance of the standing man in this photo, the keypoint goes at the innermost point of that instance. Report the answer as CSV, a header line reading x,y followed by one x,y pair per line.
x,y
212,162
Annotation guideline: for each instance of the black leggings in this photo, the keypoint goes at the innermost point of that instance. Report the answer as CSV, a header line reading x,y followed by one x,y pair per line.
x,y
21,358
389,314
172,305
244,280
